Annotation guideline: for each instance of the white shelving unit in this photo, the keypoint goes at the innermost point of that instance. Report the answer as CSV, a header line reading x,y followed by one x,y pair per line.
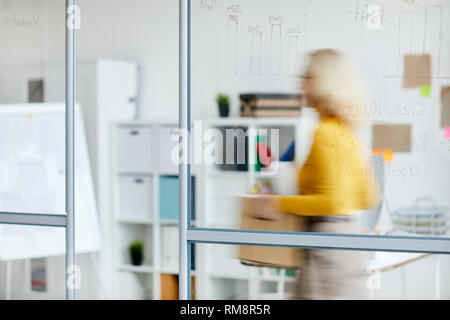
x,y
218,272
149,230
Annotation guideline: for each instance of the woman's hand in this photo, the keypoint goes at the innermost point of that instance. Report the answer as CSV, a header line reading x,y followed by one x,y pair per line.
x,y
266,207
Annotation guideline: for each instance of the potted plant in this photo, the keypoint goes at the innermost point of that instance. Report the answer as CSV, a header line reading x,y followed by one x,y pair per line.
x,y
136,252
223,101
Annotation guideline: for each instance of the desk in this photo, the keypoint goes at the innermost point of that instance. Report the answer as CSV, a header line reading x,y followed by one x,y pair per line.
x,y
386,261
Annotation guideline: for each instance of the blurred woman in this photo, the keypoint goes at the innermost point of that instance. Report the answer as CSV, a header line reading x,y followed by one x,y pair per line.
x,y
335,181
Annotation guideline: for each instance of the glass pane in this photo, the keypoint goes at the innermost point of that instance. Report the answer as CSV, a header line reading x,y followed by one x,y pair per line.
x,y
224,272
369,149
33,263
32,93
32,155
127,67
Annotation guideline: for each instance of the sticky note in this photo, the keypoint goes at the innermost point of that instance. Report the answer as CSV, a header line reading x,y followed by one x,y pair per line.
x,y
388,155
447,133
377,152
425,90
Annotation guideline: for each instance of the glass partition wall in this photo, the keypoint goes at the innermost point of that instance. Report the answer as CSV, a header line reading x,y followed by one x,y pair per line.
x,y
272,174
279,99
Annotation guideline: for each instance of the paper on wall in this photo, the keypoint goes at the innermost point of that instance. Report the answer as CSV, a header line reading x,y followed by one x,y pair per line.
x,y
445,107
395,137
417,71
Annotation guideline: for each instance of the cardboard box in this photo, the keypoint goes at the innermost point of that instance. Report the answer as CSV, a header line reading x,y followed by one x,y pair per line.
x,y
280,257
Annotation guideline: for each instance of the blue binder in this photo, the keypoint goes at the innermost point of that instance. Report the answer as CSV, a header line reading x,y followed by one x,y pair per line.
x,y
289,153
169,200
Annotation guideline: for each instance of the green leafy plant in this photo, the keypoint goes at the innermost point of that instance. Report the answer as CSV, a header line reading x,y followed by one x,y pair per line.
x,y
136,251
223,100
136,247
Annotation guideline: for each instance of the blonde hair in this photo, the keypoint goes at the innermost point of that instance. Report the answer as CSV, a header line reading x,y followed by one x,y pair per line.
x,y
338,88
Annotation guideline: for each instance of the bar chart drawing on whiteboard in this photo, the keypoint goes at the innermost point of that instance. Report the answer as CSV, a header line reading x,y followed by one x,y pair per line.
x,y
430,41
233,36
275,43
293,36
256,49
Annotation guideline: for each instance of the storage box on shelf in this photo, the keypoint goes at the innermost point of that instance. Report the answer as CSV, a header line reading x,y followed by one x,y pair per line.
x,y
170,252
169,200
169,287
136,198
169,248
167,140
134,150
270,104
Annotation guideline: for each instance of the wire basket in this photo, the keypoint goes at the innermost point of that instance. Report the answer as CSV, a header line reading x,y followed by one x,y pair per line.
x,y
424,218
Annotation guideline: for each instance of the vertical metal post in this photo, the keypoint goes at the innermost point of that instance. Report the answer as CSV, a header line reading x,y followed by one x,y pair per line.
x,y
70,176
185,142
8,279
437,277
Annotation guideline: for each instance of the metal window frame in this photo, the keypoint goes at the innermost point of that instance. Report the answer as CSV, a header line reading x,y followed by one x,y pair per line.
x,y
189,235
67,220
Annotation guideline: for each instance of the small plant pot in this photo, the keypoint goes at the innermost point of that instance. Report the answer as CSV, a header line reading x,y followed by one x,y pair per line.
x,y
136,258
224,111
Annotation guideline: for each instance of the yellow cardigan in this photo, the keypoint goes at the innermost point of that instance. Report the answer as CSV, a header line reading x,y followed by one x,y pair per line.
x,y
335,179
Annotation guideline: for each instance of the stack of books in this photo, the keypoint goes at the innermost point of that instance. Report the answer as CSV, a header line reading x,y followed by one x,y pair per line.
x,y
270,104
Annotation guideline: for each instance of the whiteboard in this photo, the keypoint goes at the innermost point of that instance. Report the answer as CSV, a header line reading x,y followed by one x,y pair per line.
x,y
32,171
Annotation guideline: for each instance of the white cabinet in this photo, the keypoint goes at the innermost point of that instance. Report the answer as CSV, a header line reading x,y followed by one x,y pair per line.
x,y
136,199
134,150
168,149
167,142
170,248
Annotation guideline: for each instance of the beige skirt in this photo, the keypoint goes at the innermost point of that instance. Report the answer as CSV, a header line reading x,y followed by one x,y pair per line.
x,y
333,274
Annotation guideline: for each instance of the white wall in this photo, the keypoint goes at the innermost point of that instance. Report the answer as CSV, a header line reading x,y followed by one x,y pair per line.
x,y
138,30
